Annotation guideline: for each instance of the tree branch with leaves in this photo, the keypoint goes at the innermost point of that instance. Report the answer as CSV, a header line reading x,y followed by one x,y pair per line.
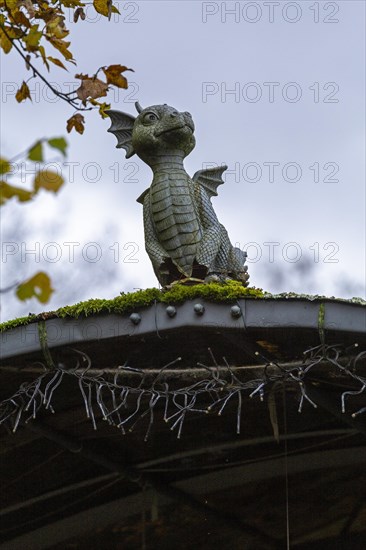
x,y
36,31
31,27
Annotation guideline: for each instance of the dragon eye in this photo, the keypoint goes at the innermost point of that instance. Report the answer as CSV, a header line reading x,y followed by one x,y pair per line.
x,y
150,117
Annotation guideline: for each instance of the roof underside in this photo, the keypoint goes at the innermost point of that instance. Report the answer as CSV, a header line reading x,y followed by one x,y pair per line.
x,y
302,475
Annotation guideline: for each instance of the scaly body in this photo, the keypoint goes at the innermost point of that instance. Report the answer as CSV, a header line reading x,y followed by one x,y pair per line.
x,y
183,236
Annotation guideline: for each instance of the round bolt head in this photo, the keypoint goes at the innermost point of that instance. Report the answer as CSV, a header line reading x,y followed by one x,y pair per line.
x,y
171,311
199,309
135,318
235,311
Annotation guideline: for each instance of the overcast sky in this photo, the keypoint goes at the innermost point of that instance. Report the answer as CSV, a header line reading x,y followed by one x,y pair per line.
x,y
276,90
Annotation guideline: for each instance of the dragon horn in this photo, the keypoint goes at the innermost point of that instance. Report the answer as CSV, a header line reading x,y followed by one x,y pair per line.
x,y
138,107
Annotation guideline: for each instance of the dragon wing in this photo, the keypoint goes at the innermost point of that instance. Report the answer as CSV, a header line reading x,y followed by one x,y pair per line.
x,y
210,179
122,126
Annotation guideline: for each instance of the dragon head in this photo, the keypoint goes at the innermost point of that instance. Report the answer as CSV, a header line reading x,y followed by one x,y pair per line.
x,y
156,131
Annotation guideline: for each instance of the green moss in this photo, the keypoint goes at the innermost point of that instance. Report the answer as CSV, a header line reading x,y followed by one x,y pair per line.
x,y
231,290
13,323
126,303
217,292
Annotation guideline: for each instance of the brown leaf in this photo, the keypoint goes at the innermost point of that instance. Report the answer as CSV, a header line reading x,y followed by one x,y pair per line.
x,y
49,180
23,93
38,286
114,76
91,88
21,19
28,4
77,122
79,12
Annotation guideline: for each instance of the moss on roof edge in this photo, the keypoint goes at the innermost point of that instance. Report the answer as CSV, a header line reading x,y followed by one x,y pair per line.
x,y
215,292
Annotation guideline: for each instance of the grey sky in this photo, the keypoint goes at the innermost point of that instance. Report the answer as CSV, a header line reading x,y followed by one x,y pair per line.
x,y
193,65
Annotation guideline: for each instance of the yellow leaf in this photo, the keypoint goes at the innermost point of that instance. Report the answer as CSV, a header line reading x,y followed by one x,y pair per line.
x,y
49,180
11,4
35,152
56,26
9,191
44,58
62,47
77,122
32,38
4,166
91,88
72,3
5,43
103,7
57,62
38,286
114,76
59,143
103,107
23,93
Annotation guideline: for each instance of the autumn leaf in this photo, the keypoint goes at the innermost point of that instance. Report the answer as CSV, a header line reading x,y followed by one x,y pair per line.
x,y
104,7
77,122
28,4
23,93
35,152
9,191
72,3
62,47
114,76
90,87
49,180
103,107
5,43
57,62
38,286
32,38
58,143
21,19
4,166
12,4
79,12
44,58
55,26
14,32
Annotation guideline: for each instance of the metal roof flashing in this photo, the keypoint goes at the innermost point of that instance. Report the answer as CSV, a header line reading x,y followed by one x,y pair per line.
x,y
259,319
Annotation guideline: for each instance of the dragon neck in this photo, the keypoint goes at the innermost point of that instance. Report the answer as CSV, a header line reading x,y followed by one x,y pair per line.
x,y
167,162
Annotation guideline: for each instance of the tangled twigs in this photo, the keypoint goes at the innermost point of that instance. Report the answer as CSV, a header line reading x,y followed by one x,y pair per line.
x,y
124,396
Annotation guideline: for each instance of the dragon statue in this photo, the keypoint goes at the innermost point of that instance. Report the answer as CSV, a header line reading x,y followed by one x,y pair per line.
x,y
183,236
